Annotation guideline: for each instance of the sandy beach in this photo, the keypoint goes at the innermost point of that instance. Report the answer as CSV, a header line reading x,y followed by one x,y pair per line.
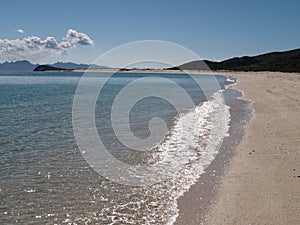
x,y
258,181
261,183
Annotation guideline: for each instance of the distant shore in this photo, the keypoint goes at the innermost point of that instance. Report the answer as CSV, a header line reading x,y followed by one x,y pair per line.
x,y
261,184
215,72
140,71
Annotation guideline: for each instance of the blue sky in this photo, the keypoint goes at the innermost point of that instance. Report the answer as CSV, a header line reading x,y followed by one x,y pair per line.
x,y
214,30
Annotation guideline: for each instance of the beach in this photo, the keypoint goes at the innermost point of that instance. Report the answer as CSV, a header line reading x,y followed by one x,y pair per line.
x,y
177,113
260,183
252,178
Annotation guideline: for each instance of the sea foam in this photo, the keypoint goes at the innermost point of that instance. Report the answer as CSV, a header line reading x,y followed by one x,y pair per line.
x,y
195,141
188,149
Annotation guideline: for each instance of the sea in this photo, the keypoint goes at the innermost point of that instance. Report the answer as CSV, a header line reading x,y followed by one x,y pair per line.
x,y
45,176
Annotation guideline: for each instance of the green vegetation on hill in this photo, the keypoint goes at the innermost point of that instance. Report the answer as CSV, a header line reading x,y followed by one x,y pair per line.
x,y
288,61
49,68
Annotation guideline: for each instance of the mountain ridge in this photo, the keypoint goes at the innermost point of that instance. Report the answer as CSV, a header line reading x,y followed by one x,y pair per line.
x,y
26,66
18,66
285,61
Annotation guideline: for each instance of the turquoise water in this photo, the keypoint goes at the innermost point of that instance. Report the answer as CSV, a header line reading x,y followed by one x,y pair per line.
x,y
45,179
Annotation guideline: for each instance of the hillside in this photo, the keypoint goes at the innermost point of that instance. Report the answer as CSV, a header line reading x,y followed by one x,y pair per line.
x,y
288,61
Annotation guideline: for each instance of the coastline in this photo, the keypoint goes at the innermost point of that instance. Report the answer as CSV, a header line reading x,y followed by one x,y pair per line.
x,y
257,182
193,205
146,71
255,176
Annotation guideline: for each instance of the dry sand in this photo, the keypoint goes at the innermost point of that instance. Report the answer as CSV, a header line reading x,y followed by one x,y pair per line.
x,y
262,182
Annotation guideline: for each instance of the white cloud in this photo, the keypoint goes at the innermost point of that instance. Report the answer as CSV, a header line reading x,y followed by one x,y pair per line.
x,y
20,31
75,37
33,47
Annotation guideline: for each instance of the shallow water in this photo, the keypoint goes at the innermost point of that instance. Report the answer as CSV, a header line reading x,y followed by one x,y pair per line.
x,y
45,179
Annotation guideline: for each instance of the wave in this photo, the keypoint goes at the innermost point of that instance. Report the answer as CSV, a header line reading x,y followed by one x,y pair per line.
x,y
190,147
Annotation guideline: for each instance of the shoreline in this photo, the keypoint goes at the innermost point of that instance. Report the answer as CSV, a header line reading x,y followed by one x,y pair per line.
x,y
193,205
258,181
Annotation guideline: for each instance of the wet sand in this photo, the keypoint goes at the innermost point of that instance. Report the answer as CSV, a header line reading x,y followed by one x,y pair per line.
x,y
258,182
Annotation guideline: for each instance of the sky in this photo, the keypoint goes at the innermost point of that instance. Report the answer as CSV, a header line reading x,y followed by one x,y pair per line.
x,y
81,31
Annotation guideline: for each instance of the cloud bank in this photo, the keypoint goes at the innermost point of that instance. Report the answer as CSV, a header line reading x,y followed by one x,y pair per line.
x,y
32,47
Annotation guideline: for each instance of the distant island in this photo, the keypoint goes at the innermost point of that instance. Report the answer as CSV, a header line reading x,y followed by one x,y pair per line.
x,y
50,68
